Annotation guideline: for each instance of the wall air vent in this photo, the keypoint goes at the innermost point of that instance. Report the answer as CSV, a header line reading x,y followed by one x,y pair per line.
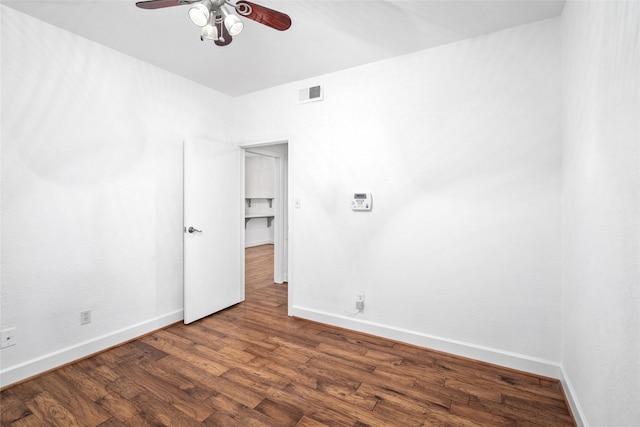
x,y
310,94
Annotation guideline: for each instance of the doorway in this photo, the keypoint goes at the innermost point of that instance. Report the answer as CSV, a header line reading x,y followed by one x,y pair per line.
x,y
267,206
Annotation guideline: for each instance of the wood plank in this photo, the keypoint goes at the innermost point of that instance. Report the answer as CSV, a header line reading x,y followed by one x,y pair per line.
x,y
242,415
402,401
430,388
346,394
474,389
256,377
29,420
156,411
120,408
360,340
286,371
484,417
12,409
126,388
90,387
306,421
166,392
214,383
112,423
76,404
326,408
219,418
282,414
177,379
195,359
51,412
522,415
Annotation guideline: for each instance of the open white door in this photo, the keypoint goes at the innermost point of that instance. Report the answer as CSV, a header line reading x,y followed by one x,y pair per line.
x,y
213,228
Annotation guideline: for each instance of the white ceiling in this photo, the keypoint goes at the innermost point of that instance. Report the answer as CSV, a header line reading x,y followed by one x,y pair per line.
x,y
326,35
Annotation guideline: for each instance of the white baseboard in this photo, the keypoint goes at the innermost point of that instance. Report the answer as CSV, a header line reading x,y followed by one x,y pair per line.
x,y
497,357
258,243
30,368
576,409
517,361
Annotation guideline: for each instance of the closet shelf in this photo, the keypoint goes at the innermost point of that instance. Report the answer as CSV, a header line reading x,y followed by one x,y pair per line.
x,y
247,218
269,199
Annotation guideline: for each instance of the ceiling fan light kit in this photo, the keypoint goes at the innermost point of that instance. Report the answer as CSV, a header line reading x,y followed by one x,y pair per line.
x,y
231,21
210,31
217,23
200,13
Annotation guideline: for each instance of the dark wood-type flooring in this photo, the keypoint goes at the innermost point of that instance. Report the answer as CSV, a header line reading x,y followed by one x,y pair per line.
x,y
251,365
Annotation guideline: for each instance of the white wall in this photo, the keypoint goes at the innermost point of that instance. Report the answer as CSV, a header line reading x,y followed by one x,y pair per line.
x,y
460,147
601,210
259,185
91,191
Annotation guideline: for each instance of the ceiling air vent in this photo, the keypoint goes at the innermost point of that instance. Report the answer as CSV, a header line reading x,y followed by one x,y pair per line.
x,y
310,94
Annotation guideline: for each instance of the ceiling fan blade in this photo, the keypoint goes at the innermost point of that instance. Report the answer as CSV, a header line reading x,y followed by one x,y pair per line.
x,y
158,4
269,17
224,38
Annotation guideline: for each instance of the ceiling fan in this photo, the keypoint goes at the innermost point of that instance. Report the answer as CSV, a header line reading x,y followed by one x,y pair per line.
x,y
217,22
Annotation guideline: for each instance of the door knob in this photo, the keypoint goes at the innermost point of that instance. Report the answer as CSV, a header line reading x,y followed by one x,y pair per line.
x,y
193,230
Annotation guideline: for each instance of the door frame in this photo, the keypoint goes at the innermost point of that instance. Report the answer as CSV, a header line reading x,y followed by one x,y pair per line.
x,y
285,245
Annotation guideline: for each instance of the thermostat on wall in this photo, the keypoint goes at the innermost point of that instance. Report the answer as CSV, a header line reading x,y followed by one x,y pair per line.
x,y
361,202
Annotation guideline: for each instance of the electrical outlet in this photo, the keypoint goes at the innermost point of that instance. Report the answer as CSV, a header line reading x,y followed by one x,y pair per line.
x,y
8,337
360,300
85,317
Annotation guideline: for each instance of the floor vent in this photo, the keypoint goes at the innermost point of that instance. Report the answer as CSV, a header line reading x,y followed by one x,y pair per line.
x,y
310,94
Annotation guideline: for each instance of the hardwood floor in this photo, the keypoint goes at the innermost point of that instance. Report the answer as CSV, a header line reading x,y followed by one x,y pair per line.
x,y
251,365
